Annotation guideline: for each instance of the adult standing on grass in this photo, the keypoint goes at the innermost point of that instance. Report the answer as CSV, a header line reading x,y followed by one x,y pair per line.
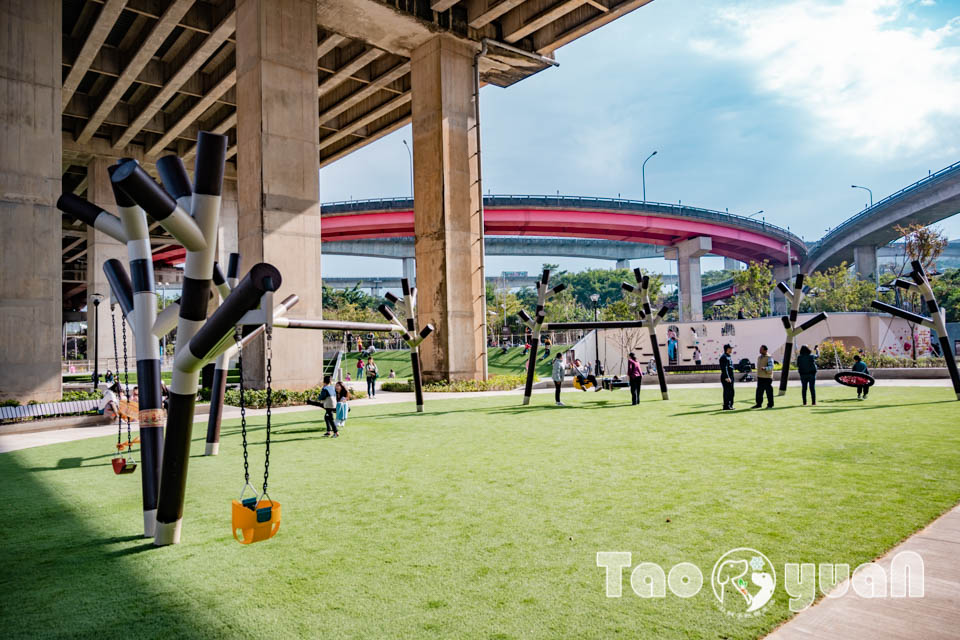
x,y
328,398
636,377
359,368
557,376
764,378
726,377
861,367
807,368
371,370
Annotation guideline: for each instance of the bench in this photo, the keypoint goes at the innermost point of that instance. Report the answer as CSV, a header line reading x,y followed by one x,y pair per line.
x,y
47,409
690,368
610,384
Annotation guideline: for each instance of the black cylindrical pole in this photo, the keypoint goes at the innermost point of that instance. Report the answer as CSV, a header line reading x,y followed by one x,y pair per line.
x,y
531,365
661,374
417,378
96,347
785,370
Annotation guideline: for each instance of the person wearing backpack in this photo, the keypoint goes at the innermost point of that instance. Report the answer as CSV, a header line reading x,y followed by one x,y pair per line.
x,y
328,398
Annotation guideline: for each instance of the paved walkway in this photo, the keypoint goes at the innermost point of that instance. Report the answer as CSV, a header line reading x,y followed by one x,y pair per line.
x,y
934,616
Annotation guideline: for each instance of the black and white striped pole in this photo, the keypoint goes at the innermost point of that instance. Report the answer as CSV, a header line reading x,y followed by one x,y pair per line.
x,y
936,321
411,336
535,324
224,285
650,321
794,297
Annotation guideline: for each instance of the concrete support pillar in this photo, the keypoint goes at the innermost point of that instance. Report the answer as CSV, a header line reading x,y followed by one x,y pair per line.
x,y
30,288
779,305
277,182
865,259
623,263
449,235
731,264
100,248
227,240
689,292
410,270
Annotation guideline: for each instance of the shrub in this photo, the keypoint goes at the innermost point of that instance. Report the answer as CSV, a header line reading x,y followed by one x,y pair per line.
x,y
10,402
257,398
493,383
397,386
81,394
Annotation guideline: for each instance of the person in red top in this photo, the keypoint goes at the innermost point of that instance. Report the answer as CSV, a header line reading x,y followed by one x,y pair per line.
x,y
635,373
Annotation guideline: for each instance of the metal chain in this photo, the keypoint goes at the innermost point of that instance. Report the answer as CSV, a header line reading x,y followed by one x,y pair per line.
x,y
126,381
116,360
266,460
238,335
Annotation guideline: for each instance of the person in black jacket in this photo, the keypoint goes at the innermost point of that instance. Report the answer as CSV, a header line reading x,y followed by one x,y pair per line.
x,y
726,377
807,368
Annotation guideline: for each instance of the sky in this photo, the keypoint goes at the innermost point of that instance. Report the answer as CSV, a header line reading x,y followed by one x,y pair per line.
x,y
777,105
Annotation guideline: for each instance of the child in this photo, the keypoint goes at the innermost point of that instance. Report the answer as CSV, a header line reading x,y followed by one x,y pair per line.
x,y
359,367
861,367
392,374
328,398
343,409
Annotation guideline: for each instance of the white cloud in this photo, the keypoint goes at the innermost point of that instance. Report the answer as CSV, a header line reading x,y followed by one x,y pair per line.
x,y
872,85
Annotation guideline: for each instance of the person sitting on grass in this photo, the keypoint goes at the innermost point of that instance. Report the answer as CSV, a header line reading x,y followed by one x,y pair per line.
x,y
557,376
807,368
583,376
861,367
328,398
109,406
343,409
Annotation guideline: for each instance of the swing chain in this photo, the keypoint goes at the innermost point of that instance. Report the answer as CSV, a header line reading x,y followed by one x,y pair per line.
x,y
126,381
116,360
266,461
238,335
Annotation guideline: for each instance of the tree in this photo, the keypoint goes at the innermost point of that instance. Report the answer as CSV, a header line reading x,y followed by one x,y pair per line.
x,y
716,276
947,289
753,292
837,289
923,243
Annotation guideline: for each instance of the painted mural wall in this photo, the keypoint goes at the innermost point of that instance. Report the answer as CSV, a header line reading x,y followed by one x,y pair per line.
x,y
867,331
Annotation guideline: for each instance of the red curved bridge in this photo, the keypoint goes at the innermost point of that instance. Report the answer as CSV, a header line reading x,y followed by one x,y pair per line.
x,y
565,216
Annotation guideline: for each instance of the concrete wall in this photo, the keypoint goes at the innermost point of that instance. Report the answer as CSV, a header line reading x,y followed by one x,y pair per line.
x,y
30,149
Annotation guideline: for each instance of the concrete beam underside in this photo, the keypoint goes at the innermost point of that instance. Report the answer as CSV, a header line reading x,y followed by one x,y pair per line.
x,y
30,289
277,187
449,234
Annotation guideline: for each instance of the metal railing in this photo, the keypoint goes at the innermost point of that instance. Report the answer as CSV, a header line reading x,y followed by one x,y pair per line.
x,y
844,227
605,204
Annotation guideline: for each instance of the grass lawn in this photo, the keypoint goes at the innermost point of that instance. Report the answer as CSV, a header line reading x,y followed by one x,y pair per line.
x,y
479,518
511,362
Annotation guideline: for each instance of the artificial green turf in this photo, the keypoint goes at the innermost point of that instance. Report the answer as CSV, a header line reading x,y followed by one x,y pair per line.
x,y
511,362
479,518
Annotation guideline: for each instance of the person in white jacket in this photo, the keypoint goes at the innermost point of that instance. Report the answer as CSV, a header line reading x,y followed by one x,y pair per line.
x,y
557,376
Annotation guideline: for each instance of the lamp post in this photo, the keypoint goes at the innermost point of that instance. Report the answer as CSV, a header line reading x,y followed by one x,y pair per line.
x,y
643,175
595,298
854,186
410,151
754,214
97,298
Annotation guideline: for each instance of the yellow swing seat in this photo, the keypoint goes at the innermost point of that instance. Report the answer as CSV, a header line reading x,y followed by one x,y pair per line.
x,y
578,386
256,520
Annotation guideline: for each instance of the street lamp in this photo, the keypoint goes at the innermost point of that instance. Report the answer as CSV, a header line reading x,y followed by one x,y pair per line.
x,y
853,186
643,175
97,298
410,151
595,298
754,214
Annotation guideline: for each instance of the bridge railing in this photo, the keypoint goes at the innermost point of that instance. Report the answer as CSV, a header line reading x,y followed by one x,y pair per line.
x,y
844,227
724,217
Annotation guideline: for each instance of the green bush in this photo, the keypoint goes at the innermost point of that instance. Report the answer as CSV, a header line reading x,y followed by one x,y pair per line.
x,y
400,387
493,383
81,394
10,402
257,398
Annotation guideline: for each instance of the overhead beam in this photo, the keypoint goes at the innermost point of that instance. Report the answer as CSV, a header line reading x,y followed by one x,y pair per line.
x,y
554,36
366,119
521,21
361,94
343,73
95,39
73,244
164,26
209,46
194,113
362,142
225,125
482,12
442,5
329,44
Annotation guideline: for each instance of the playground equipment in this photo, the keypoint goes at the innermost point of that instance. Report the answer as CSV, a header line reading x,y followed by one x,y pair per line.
x,y
122,464
544,293
936,321
650,321
411,336
794,296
